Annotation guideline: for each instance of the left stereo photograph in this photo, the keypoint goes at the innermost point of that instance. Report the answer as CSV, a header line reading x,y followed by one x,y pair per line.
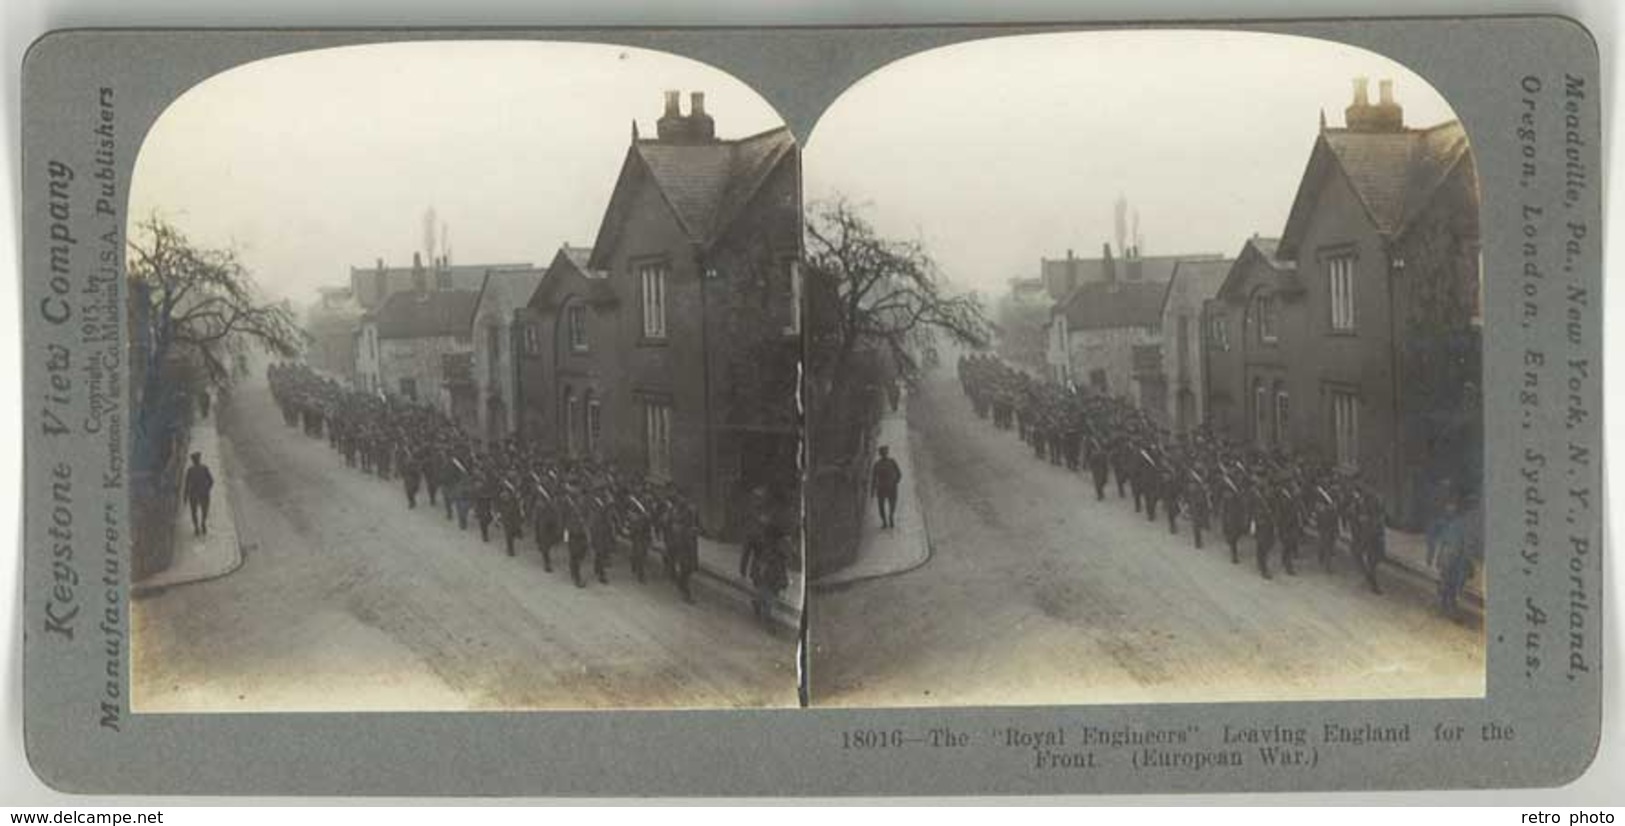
x,y
463,376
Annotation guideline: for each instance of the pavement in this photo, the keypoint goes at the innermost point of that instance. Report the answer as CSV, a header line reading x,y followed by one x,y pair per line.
x,y
882,551
199,558
1038,594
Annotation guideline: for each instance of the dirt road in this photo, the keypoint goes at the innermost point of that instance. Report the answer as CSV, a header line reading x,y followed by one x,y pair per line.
x,y
349,601
1036,593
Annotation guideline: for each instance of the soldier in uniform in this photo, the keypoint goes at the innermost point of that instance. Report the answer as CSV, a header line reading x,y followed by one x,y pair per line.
x,y
765,564
601,533
1263,528
484,503
1288,525
412,476
575,536
1326,518
508,512
1196,500
545,524
1370,538
1099,467
682,546
639,534
1234,517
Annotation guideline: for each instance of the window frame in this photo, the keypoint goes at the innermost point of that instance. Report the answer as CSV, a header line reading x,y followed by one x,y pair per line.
x,y
657,439
1341,308
575,323
654,299
1345,427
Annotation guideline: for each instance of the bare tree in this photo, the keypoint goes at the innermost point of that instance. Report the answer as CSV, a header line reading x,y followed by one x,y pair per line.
x,y
866,291
202,304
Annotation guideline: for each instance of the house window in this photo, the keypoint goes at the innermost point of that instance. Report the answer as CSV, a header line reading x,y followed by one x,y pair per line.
x,y
533,340
1340,287
1266,319
1261,414
657,438
571,417
576,317
794,327
1217,333
1282,414
1346,428
493,355
409,389
595,426
653,277
1182,341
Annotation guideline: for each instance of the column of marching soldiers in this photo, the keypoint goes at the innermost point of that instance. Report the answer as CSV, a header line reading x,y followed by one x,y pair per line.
x,y
1274,496
589,507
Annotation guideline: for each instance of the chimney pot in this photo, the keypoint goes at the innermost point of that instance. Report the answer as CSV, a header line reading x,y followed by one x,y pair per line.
x,y
1385,91
672,98
1362,94
696,104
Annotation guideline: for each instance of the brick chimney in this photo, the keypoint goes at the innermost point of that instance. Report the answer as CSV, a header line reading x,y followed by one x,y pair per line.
x,y
1107,264
420,280
1133,264
1385,115
695,127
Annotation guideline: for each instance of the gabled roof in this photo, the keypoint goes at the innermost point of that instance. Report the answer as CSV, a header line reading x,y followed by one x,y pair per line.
x,y
570,262
1394,174
1196,280
1110,305
507,290
1255,252
426,315
400,279
706,185
1158,268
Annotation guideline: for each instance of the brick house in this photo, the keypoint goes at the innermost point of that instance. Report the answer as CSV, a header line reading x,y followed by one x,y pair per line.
x,y
569,359
371,286
404,343
1250,330
693,327
333,324
1367,352
1076,281
493,371
1107,336
1193,283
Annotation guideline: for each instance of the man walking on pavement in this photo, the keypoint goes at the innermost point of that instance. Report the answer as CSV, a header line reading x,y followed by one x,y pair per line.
x,y
884,479
198,485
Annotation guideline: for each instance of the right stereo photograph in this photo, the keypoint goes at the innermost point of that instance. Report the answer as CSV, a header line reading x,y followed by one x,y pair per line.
x,y
1142,367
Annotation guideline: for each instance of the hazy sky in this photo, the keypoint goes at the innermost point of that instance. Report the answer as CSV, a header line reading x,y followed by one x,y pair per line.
x,y
313,162
999,152
995,153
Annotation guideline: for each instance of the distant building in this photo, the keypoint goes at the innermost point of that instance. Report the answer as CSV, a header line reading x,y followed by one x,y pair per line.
x,y
1182,380
1022,316
494,370
404,342
1359,338
1107,334
688,369
333,323
1063,275
570,359
371,286
1245,388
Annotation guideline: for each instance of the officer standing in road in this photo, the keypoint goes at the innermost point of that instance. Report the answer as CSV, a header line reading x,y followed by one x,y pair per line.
x,y
884,479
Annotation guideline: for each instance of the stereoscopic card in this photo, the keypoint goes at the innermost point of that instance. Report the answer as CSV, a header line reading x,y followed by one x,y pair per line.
x,y
977,409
